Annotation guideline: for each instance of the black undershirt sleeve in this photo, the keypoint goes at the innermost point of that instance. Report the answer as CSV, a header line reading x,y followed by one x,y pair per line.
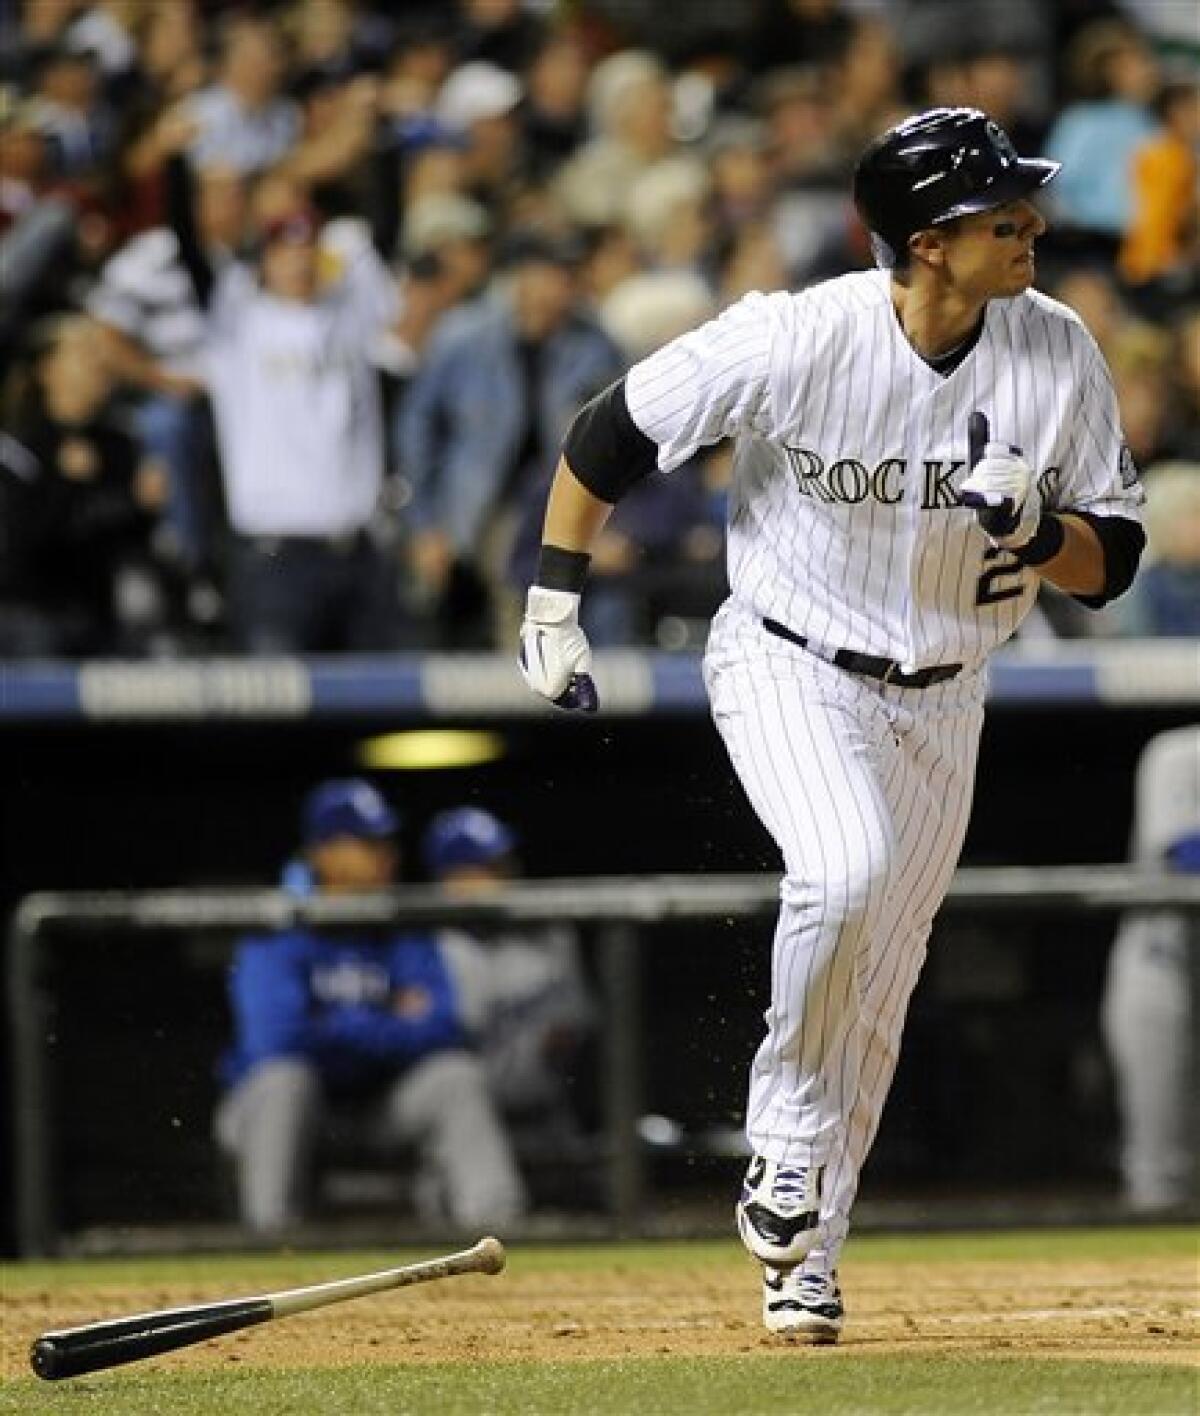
x,y
1123,542
606,449
181,218
383,199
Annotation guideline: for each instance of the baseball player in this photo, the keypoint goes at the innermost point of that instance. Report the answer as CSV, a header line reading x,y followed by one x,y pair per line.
x,y
532,1009
1149,1003
917,447
338,1026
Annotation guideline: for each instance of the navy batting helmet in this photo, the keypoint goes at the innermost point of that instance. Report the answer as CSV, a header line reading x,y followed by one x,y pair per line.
x,y
940,164
466,835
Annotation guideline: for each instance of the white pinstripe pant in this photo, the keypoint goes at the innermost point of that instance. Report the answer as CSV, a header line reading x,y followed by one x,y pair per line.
x,y
866,790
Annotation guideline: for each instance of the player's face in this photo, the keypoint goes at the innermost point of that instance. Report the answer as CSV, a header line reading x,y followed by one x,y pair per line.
x,y
348,864
990,255
465,881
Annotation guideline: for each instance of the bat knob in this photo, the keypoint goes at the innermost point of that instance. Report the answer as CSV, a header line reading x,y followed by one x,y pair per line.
x,y
492,1257
46,1360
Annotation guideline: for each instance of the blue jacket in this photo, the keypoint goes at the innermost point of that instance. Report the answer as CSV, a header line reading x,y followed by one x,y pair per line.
x,y
361,1009
460,424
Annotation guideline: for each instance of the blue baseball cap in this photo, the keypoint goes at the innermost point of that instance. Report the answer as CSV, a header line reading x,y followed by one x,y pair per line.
x,y
466,835
348,807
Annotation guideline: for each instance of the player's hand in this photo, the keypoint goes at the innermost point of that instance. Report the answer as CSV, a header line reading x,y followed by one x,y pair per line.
x,y
555,656
1001,488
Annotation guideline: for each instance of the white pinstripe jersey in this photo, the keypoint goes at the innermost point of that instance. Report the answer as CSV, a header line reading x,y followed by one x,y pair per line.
x,y
844,518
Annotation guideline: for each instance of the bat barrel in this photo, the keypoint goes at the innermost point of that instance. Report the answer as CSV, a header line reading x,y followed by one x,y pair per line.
x,y
491,1255
74,1351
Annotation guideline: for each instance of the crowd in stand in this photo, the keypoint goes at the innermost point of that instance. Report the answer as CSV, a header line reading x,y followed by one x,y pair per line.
x,y
298,299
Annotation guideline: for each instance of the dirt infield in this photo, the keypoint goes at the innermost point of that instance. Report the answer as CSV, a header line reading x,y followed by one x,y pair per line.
x,y
1126,1309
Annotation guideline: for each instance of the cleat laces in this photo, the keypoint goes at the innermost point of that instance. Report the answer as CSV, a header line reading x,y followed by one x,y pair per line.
x,y
789,1191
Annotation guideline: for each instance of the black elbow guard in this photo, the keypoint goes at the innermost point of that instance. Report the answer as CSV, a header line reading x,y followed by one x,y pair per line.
x,y
1123,542
606,449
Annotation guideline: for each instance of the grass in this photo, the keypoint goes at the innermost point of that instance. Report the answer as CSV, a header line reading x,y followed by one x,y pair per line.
x,y
742,1386
259,1271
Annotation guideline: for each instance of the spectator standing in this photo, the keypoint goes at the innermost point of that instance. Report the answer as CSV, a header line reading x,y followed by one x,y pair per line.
x,y
171,52
1165,598
478,102
553,117
37,220
812,217
416,69
867,82
362,1030
172,66
447,255
296,399
630,106
1141,369
1185,437
1090,290
502,32
145,304
337,34
106,30
451,233
666,212
243,120
76,506
999,77
1161,242
478,430
1114,78
71,110
742,187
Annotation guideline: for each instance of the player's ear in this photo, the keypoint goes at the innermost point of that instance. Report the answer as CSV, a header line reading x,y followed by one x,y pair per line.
x,y
928,246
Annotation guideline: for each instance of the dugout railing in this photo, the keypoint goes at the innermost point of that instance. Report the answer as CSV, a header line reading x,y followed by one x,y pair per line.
x,y
612,910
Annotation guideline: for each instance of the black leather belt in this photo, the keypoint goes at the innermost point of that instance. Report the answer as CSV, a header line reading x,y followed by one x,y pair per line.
x,y
345,545
886,670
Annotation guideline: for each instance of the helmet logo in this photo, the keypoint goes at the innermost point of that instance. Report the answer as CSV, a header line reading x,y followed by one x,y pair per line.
x,y
1001,142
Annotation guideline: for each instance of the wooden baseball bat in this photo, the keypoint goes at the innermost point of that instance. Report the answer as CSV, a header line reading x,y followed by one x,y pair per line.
x,y
70,1352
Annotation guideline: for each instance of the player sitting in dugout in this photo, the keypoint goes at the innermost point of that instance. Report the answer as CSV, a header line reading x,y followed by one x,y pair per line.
x,y
344,1031
524,990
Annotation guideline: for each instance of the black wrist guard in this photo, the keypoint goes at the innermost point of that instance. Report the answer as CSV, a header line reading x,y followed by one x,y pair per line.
x,y
559,569
1045,543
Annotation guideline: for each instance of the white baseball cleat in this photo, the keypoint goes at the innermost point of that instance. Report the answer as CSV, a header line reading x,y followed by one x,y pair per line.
x,y
802,1307
778,1212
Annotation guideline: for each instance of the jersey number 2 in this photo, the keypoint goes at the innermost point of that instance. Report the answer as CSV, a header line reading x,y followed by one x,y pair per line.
x,y
996,582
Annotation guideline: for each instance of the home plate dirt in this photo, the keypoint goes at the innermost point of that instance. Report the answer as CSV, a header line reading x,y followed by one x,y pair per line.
x,y
1131,1310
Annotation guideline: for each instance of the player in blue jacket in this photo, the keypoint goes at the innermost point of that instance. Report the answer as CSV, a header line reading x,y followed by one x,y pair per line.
x,y
343,1024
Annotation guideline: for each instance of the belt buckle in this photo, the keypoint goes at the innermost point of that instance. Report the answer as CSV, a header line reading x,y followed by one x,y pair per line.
x,y
893,674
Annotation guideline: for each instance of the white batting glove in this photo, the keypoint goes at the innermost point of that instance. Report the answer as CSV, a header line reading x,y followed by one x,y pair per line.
x,y
555,656
1001,489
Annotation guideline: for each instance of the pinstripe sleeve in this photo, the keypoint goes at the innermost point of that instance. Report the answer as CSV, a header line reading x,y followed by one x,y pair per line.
x,y
1100,475
708,384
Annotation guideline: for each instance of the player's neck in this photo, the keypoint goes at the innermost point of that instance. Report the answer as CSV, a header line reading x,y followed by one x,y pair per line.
x,y
934,320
